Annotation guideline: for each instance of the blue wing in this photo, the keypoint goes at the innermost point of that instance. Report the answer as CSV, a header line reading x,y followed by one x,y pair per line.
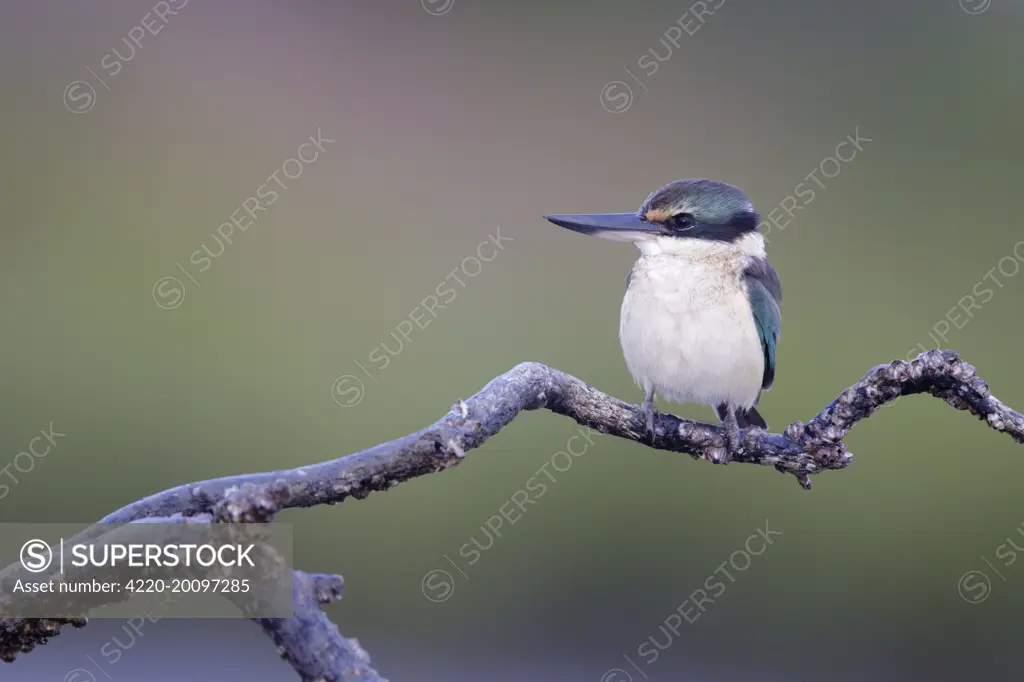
x,y
765,292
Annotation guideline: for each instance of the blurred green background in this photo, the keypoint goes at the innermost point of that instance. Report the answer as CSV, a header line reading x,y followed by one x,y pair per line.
x,y
450,120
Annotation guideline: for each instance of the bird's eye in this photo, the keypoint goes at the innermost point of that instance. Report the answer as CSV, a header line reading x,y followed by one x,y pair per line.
x,y
683,221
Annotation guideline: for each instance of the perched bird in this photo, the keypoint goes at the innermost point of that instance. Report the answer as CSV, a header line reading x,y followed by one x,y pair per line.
x,y
701,316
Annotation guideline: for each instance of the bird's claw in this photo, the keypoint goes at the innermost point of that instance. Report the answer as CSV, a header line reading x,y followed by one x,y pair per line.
x,y
650,415
733,443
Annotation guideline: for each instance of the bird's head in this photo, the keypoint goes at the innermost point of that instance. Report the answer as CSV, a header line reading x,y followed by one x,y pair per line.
x,y
690,209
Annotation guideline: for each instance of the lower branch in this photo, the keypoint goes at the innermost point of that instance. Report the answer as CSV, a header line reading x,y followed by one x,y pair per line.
x,y
307,640
311,642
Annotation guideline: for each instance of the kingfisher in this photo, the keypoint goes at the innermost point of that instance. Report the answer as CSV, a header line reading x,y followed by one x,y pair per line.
x,y
701,318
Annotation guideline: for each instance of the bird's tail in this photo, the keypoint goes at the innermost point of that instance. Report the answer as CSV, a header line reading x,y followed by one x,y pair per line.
x,y
744,418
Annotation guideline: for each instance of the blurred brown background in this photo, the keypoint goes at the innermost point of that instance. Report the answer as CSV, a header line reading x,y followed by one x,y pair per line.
x,y
450,119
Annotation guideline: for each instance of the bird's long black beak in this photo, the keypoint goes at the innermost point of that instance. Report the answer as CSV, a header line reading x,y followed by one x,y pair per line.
x,y
619,227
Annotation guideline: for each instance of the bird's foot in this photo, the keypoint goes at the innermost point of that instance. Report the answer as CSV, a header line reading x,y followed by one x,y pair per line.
x,y
650,414
733,442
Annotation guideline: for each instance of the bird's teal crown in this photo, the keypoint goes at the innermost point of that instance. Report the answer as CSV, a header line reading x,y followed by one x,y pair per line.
x,y
708,201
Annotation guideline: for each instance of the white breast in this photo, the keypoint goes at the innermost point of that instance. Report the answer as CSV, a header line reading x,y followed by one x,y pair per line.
x,y
686,328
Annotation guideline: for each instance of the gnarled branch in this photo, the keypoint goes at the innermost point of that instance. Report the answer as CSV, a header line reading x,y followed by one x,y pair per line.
x,y
311,643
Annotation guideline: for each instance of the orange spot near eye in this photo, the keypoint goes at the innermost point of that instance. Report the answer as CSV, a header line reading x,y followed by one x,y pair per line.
x,y
656,215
